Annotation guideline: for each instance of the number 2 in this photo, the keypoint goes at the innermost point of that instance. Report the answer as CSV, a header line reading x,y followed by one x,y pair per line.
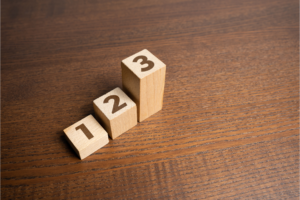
x,y
116,106
144,61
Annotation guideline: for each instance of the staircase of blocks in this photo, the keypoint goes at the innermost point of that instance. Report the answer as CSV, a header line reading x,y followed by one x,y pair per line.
x,y
143,82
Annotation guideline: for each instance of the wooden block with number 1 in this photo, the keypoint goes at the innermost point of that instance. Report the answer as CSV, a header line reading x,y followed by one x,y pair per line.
x,y
143,79
117,112
86,136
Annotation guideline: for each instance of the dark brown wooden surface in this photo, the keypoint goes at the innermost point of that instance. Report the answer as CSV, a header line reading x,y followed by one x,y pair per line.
x,y
230,122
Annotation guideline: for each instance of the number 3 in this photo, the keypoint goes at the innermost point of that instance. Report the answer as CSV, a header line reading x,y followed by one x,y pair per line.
x,y
116,106
144,61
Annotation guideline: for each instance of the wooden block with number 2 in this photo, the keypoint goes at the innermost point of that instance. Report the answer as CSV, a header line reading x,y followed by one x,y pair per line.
x,y
117,112
143,79
86,136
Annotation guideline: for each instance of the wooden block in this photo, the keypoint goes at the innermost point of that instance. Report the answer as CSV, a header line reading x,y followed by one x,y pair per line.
x,y
143,79
86,136
117,112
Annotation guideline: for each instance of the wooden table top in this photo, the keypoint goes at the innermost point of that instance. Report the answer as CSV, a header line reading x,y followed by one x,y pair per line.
x,y
230,120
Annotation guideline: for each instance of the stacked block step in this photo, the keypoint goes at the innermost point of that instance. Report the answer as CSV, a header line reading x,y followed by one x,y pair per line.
x,y
143,80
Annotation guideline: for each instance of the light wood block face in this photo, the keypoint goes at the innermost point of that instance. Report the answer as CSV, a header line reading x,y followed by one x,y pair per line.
x,y
143,79
117,112
86,136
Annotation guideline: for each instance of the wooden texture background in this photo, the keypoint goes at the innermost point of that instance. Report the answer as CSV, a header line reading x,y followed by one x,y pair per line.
x,y
230,122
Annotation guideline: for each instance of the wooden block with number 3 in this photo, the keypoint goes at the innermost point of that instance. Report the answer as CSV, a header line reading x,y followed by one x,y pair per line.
x,y
86,136
117,112
143,79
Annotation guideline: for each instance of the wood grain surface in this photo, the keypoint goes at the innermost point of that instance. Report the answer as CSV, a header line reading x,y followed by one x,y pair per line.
x,y
229,127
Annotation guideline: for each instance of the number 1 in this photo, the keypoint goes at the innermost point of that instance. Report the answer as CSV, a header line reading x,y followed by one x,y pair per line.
x,y
86,131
